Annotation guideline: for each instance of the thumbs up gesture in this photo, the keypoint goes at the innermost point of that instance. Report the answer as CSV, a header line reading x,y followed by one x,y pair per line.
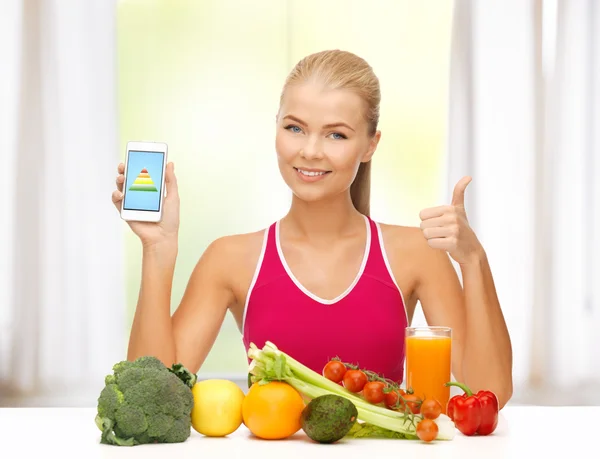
x,y
447,227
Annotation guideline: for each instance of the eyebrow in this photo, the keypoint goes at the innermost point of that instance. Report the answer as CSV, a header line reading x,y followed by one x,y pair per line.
x,y
327,126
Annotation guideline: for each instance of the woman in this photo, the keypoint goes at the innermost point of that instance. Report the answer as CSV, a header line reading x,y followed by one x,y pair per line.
x,y
326,280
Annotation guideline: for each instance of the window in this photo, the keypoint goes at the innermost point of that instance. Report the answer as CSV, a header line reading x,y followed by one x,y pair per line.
x,y
205,77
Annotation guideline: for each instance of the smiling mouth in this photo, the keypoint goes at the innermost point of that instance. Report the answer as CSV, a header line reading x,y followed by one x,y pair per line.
x,y
308,173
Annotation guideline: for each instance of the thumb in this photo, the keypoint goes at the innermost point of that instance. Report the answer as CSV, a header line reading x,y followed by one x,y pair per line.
x,y
171,180
458,196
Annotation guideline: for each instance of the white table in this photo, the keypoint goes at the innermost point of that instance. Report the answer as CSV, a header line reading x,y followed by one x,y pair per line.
x,y
522,432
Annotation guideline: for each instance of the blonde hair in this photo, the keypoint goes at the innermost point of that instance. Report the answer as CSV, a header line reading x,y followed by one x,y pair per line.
x,y
337,69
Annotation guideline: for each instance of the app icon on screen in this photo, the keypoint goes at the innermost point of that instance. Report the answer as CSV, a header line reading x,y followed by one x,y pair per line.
x,y
143,182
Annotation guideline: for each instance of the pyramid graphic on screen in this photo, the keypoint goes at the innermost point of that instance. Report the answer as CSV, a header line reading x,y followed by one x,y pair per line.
x,y
143,182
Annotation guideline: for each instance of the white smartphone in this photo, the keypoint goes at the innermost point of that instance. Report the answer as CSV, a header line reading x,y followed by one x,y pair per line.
x,y
144,187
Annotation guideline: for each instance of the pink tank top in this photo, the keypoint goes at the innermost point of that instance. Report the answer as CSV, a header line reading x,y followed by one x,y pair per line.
x,y
364,325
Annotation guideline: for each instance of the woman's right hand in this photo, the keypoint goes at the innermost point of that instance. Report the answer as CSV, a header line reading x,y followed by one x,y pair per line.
x,y
154,233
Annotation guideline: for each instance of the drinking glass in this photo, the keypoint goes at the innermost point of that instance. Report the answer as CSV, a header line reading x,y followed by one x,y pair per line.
x,y
429,362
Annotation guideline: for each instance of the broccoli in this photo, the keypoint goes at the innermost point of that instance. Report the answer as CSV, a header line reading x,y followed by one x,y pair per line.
x,y
144,401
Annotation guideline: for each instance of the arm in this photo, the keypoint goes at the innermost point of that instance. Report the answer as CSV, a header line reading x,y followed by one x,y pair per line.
x,y
189,334
488,345
481,354
151,332
208,296
485,352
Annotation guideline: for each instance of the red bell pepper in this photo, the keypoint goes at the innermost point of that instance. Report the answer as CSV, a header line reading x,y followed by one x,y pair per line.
x,y
473,413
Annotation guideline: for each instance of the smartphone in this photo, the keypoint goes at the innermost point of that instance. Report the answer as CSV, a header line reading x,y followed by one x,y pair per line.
x,y
144,187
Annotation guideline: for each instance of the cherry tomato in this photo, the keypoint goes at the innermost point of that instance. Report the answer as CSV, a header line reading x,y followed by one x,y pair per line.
x,y
391,399
334,370
355,380
431,409
413,402
373,392
427,430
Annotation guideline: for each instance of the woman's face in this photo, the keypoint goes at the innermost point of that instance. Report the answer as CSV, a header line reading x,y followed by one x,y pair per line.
x,y
322,137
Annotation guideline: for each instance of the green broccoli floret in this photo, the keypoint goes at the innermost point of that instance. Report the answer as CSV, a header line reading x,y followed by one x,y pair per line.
x,y
159,424
179,431
149,362
131,420
122,366
145,402
112,398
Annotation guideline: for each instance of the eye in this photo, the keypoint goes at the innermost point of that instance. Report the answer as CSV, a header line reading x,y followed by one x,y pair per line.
x,y
293,128
338,136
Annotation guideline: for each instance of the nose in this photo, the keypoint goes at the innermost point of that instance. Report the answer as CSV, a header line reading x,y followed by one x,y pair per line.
x,y
312,149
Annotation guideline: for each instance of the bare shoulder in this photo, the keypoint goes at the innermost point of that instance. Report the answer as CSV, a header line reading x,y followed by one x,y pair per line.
x,y
237,245
398,236
235,254
409,241
417,268
222,272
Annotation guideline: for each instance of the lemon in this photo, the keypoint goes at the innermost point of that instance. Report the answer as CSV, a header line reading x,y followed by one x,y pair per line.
x,y
217,410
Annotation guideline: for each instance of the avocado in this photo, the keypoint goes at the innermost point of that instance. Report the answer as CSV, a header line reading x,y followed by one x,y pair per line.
x,y
328,418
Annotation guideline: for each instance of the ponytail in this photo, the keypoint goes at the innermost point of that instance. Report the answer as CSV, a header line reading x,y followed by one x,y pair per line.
x,y
360,190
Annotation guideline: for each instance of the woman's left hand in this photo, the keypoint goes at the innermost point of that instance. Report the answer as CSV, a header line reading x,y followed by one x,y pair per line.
x,y
447,227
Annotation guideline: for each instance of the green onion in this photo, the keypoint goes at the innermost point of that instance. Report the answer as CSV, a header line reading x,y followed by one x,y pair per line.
x,y
271,364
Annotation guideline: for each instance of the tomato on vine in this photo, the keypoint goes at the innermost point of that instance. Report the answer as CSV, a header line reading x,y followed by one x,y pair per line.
x,y
355,380
392,398
334,370
431,408
373,392
413,402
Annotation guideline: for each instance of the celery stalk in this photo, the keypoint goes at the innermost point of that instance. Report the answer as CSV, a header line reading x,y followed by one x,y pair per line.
x,y
271,364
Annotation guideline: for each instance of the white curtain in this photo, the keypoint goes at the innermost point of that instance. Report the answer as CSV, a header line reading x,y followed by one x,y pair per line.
x,y
61,281
524,105
571,143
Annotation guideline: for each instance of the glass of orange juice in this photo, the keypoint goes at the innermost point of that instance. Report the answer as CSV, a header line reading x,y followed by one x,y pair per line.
x,y
428,362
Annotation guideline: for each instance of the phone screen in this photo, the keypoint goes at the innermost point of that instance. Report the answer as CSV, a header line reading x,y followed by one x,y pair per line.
x,y
143,182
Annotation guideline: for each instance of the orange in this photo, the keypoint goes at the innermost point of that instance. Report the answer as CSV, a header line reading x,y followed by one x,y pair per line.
x,y
272,411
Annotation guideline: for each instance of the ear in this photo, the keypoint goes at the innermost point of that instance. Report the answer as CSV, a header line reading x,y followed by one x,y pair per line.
x,y
372,147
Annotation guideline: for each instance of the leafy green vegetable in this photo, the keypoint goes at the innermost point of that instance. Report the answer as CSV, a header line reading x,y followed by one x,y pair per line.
x,y
365,430
145,402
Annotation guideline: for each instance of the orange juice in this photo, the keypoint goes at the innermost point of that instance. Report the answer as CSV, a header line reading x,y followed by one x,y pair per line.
x,y
428,363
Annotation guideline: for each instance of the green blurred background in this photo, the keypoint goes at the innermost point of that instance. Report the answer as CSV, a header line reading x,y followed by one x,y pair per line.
x,y
205,77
